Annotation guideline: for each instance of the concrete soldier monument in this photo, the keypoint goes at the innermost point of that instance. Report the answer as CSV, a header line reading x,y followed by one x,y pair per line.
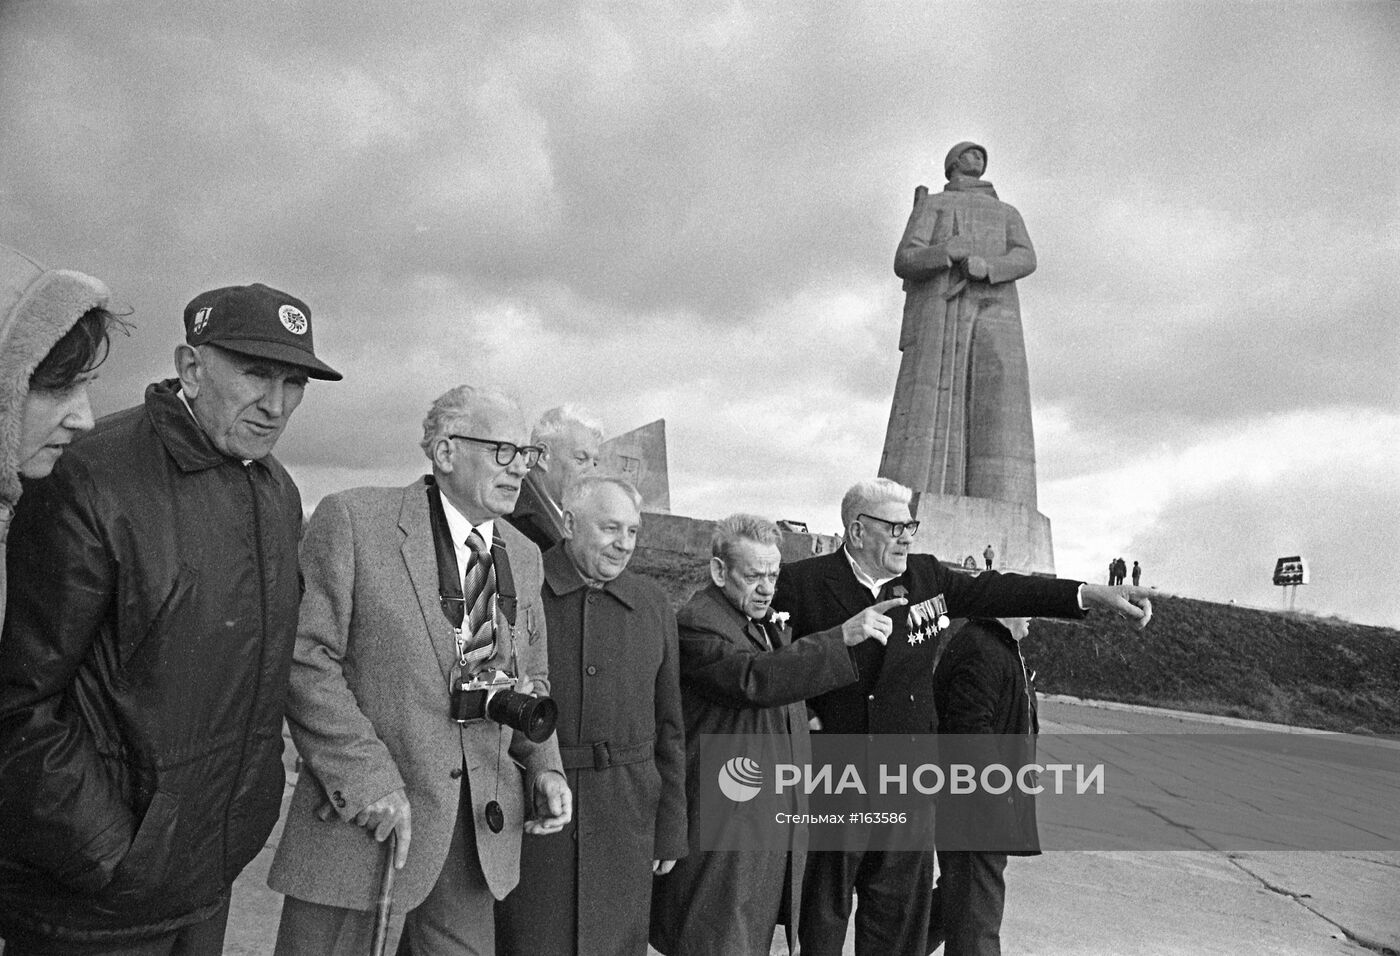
x,y
960,426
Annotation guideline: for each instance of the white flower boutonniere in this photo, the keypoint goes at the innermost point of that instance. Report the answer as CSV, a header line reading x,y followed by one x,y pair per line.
x,y
780,619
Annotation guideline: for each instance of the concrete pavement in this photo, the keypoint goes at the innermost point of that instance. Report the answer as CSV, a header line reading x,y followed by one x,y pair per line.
x,y
1154,903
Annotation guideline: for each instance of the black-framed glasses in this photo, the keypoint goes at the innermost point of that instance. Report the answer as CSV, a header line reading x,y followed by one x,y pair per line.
x,y
506,451
897,528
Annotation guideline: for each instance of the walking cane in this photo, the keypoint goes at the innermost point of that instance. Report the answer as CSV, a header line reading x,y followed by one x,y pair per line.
x,y
386,897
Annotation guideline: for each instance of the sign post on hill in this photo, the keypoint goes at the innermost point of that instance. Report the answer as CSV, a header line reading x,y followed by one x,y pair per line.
x,y
1290,572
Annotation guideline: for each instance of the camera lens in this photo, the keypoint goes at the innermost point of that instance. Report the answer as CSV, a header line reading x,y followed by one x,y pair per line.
x,y
534,717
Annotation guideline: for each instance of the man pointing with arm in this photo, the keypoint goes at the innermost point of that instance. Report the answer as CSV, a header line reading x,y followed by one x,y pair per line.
x,y
742,673
894,693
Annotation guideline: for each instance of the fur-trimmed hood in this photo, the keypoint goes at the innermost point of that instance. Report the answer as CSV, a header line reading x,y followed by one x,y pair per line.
x,y
37,308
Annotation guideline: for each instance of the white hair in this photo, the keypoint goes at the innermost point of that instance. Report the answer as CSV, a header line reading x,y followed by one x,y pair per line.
x,y
742,527
558,420
457,408
869,494
585,486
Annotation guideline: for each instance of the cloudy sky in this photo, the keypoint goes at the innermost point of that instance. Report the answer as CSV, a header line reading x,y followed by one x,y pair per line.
x,y
689,211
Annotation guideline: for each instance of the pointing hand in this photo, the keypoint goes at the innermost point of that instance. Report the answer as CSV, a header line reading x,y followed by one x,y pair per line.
x,y
872,623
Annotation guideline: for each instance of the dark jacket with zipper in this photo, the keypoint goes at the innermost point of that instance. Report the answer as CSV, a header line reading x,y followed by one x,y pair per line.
x,y
143,670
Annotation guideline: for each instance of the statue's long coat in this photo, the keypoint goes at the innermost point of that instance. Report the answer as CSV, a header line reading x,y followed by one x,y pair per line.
x,y
961,419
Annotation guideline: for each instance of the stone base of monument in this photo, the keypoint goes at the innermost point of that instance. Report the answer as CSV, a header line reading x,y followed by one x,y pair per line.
x,y
691,537
954,527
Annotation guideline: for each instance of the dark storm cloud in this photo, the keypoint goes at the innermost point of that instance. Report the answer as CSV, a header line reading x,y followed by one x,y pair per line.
x,y
690,211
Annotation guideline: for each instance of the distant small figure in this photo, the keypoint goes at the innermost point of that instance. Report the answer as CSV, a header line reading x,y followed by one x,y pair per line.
x,y
1137,573
1112,570
988,555
1117,571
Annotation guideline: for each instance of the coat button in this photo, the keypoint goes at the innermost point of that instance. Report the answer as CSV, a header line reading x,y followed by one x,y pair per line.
x,y
591,670
871,697
455,773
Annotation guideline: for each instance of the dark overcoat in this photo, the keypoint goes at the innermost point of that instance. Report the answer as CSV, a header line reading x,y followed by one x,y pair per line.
x,y
723,903
613,663
536,516
981,688
894,693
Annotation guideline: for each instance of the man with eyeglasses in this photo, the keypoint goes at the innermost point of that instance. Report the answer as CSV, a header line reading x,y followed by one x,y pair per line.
x,y
894,692
409,593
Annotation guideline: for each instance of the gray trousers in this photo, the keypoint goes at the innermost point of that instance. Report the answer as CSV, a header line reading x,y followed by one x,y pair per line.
x,y
968,904
455,919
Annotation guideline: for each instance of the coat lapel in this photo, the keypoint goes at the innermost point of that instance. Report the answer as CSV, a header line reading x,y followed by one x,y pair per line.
x,y
740,622
420,559
841,584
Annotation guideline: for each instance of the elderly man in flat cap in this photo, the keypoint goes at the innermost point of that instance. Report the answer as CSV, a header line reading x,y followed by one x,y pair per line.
x,y
143,667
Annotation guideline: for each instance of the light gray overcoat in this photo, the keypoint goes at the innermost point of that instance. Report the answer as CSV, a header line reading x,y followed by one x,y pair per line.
x,y
368,706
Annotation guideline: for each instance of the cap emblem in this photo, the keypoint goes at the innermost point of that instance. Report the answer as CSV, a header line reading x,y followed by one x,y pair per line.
x,y
292,319
201,321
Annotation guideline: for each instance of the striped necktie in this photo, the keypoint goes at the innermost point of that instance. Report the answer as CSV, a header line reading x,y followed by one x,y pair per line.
x,y
479,592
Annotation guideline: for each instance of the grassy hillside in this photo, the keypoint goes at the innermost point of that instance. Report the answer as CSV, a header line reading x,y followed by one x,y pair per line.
x,y
1198,656
1222,659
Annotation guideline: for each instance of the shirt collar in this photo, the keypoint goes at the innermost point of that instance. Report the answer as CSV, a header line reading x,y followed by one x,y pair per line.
x,y
461,529
871,584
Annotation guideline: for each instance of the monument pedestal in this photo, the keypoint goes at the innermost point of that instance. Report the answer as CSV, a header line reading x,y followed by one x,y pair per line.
x,y
953,527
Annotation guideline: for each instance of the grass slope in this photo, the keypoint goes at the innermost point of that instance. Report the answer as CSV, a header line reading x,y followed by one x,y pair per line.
x,y
1221,659
1195,655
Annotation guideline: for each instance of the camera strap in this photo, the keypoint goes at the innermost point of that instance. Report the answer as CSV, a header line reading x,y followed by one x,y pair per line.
x,y
450,597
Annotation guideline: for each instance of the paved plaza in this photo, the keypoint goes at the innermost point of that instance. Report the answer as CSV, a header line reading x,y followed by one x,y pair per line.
x,y
1127,902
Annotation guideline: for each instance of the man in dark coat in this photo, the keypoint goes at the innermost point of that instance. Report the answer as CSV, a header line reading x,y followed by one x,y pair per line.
x,y
894,693
981,687
613,670
143,668
741,673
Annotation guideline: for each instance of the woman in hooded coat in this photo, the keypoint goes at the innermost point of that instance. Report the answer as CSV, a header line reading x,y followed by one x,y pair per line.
x,y
53,332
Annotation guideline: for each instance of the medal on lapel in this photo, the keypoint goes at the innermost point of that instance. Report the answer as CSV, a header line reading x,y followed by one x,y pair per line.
x,y
927,618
